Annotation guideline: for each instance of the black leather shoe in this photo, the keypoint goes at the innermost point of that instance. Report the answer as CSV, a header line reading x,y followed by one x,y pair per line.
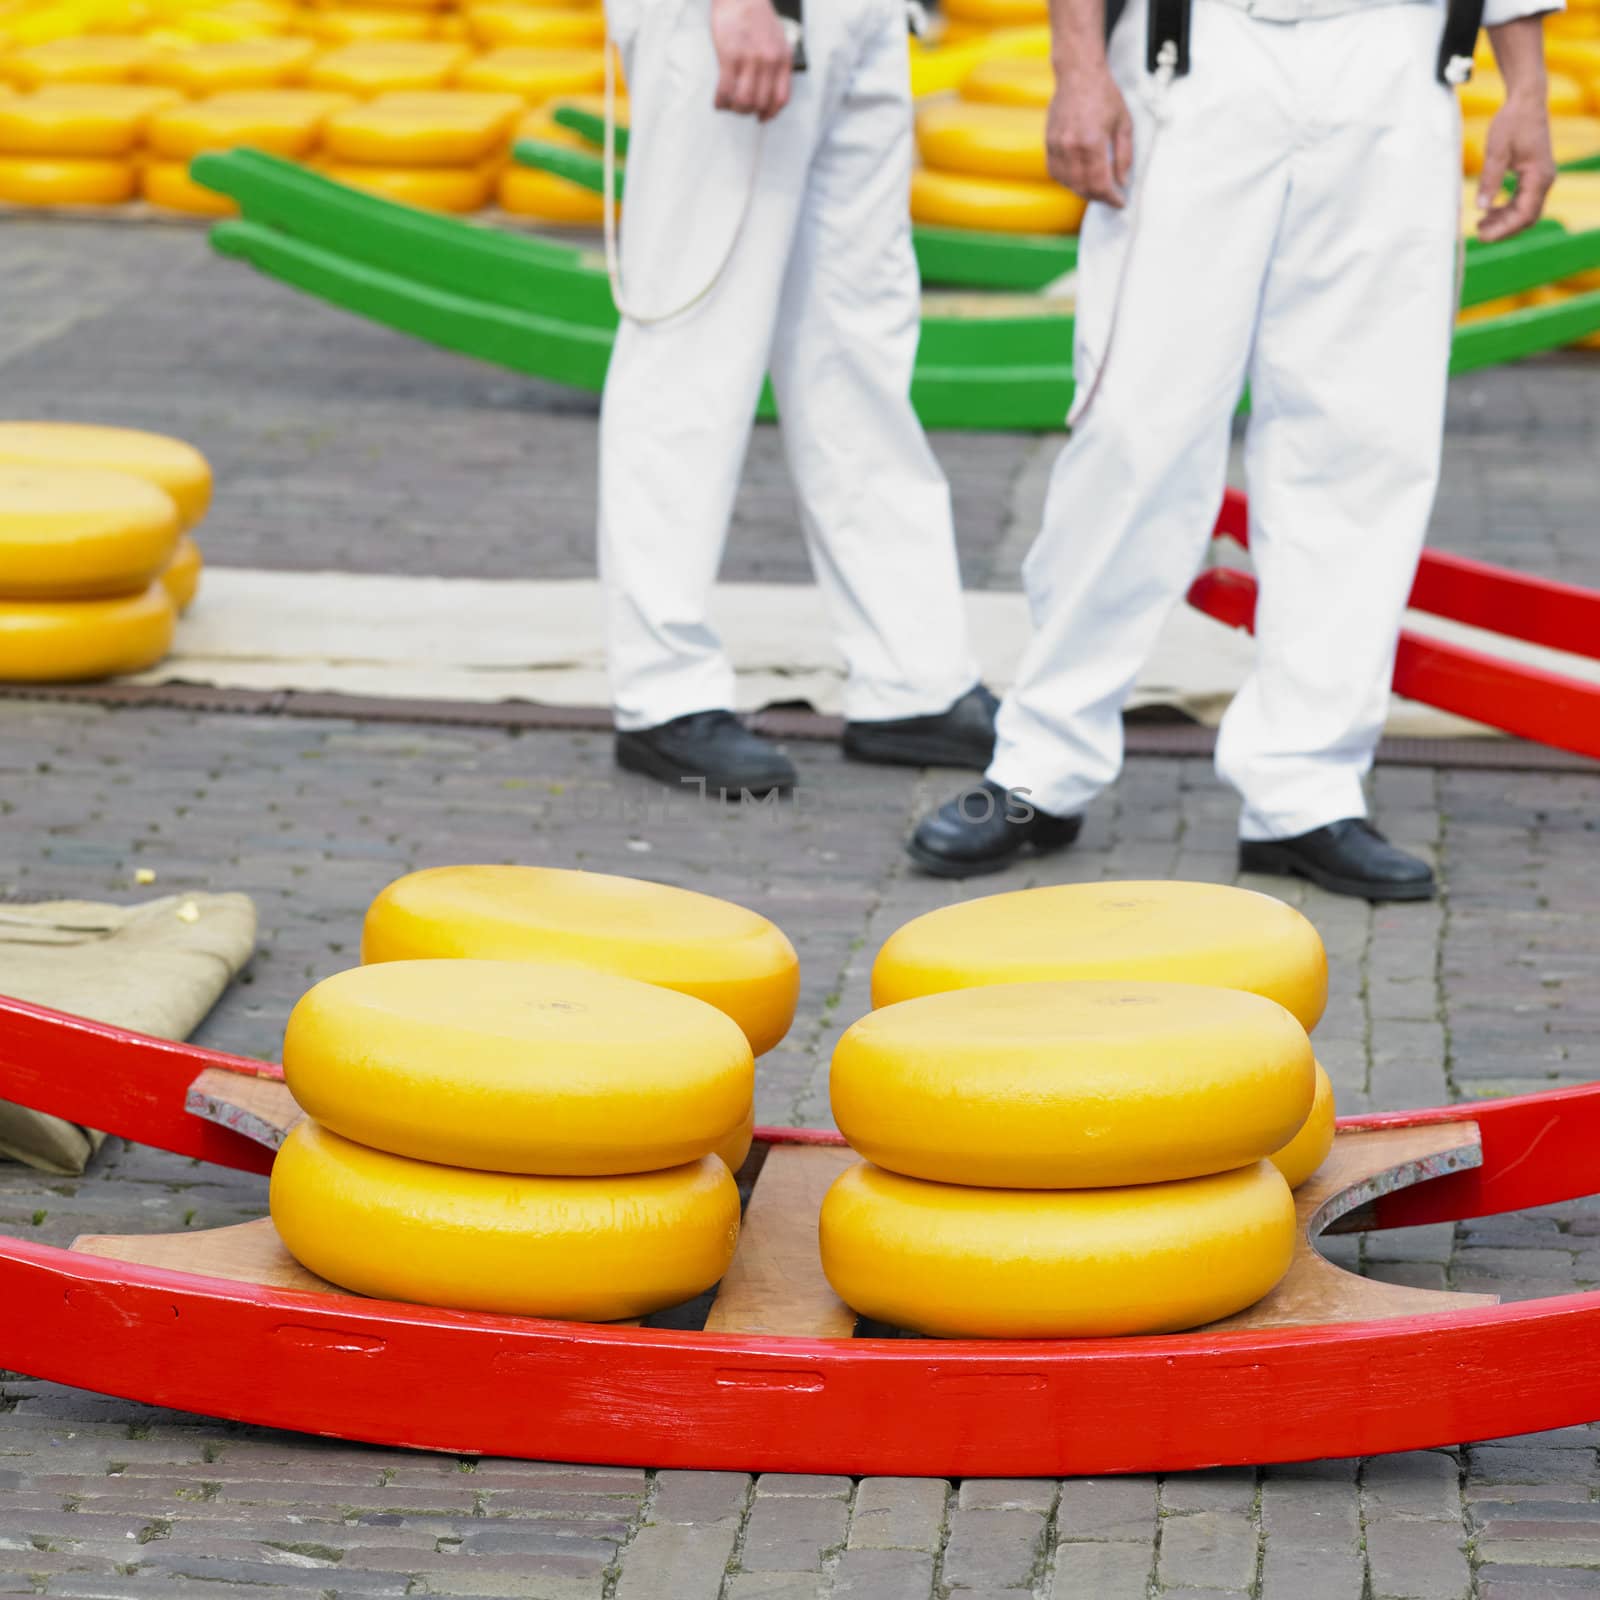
x,y
711,745
963,736
1349,857
984,829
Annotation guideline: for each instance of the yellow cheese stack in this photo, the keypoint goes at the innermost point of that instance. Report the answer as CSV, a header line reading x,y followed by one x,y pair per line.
x,y
508,1136
82,450
718,952
1155,1104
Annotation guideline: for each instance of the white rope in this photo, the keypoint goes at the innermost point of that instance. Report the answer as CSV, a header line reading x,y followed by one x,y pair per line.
x,y
1166,70
608,201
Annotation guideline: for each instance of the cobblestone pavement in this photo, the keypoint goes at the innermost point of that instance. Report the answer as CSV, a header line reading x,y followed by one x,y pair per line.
x,y
341,445
1492,990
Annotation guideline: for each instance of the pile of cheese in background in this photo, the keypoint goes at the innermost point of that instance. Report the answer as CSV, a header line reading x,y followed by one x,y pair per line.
x,y
96,557
103,102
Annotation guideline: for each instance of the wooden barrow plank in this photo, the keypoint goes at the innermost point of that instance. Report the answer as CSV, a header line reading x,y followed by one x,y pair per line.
x,y
775,1284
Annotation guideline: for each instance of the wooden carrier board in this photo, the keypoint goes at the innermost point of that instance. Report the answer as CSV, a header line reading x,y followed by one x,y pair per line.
x,y
776,1286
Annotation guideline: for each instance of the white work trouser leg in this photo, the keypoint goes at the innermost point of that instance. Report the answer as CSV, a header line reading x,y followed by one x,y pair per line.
x,y
1136,488
875,505
1348,387
680,394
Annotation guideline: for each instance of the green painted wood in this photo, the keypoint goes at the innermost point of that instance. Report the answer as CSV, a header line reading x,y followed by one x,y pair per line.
x,y
1529,261
562,161
1531,332
591,127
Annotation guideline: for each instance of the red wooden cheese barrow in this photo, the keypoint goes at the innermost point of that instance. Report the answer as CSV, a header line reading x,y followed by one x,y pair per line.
x,y
1330,1364
1531,702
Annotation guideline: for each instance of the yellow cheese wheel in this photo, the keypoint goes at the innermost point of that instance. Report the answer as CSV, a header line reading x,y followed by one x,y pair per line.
x,y
181,580
453,189
1579,58
1309,1148
528,192
938,1258
70,181
1574,201
1166,932
243,64
1072,1085
998,13
1571,138
988,140
588,1249
168,463
95,58
454,130
78,533
167,184
535,74
357,24
78,119
733,1150
494,24
1492,308
712,949
284,122
509,1066
1001,205
1009,81
369,69
69,641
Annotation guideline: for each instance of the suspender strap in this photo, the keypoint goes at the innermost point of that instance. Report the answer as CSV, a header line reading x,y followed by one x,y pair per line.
x,y
1169,25
1462,20
1114,10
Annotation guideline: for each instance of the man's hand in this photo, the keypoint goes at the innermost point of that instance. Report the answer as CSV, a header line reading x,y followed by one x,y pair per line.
x,y
1519,136
1089,134
754,56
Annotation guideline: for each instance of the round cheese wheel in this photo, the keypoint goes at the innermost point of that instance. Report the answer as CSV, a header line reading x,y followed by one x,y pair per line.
x,y
712,949
1010,81
369,69
92,58
78,533
357,24
991,141
736,1146
181,580
240,64
405,131
1309,1148
588,1249
1165,932
1072,1085
454,189
491,25
71,181
167,184
998,13
999,205
528,192
70,641
1485,91
509,1066
941,1259
536,74
170,464
43,125
281,122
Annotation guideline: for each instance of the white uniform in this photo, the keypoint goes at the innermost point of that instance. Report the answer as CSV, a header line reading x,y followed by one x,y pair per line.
x,y
1293,227
821,290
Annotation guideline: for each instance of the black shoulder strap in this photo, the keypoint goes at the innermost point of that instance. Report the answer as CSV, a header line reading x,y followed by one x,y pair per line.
x,y
1462,20
1169,24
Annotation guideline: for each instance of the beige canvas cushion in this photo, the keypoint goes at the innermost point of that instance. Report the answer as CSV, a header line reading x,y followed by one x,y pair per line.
x,y
155,968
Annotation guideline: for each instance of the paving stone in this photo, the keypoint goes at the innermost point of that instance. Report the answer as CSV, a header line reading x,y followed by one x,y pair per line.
x,y
790,1534
794,1484
993,1549
1208,1549
1534,1583
776,1586
1293,1573
686,1562
1007,1494
1103,1570
1419,1483
899,1513
1222,1489
699,1496
865,1574
1119,1509
1412,1558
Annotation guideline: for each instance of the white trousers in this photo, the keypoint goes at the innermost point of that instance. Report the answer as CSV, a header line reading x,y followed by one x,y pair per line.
x,y
1296,229
822,289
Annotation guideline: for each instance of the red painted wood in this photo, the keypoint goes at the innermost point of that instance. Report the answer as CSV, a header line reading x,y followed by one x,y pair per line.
x,y
404,1375
1526,701
1561,616
125,1083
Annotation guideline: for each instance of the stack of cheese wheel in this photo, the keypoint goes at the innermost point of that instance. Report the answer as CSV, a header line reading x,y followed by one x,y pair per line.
x,y
176,469
504,1136
74,143
711,949
983,154
1083,1110
545,196
441,148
